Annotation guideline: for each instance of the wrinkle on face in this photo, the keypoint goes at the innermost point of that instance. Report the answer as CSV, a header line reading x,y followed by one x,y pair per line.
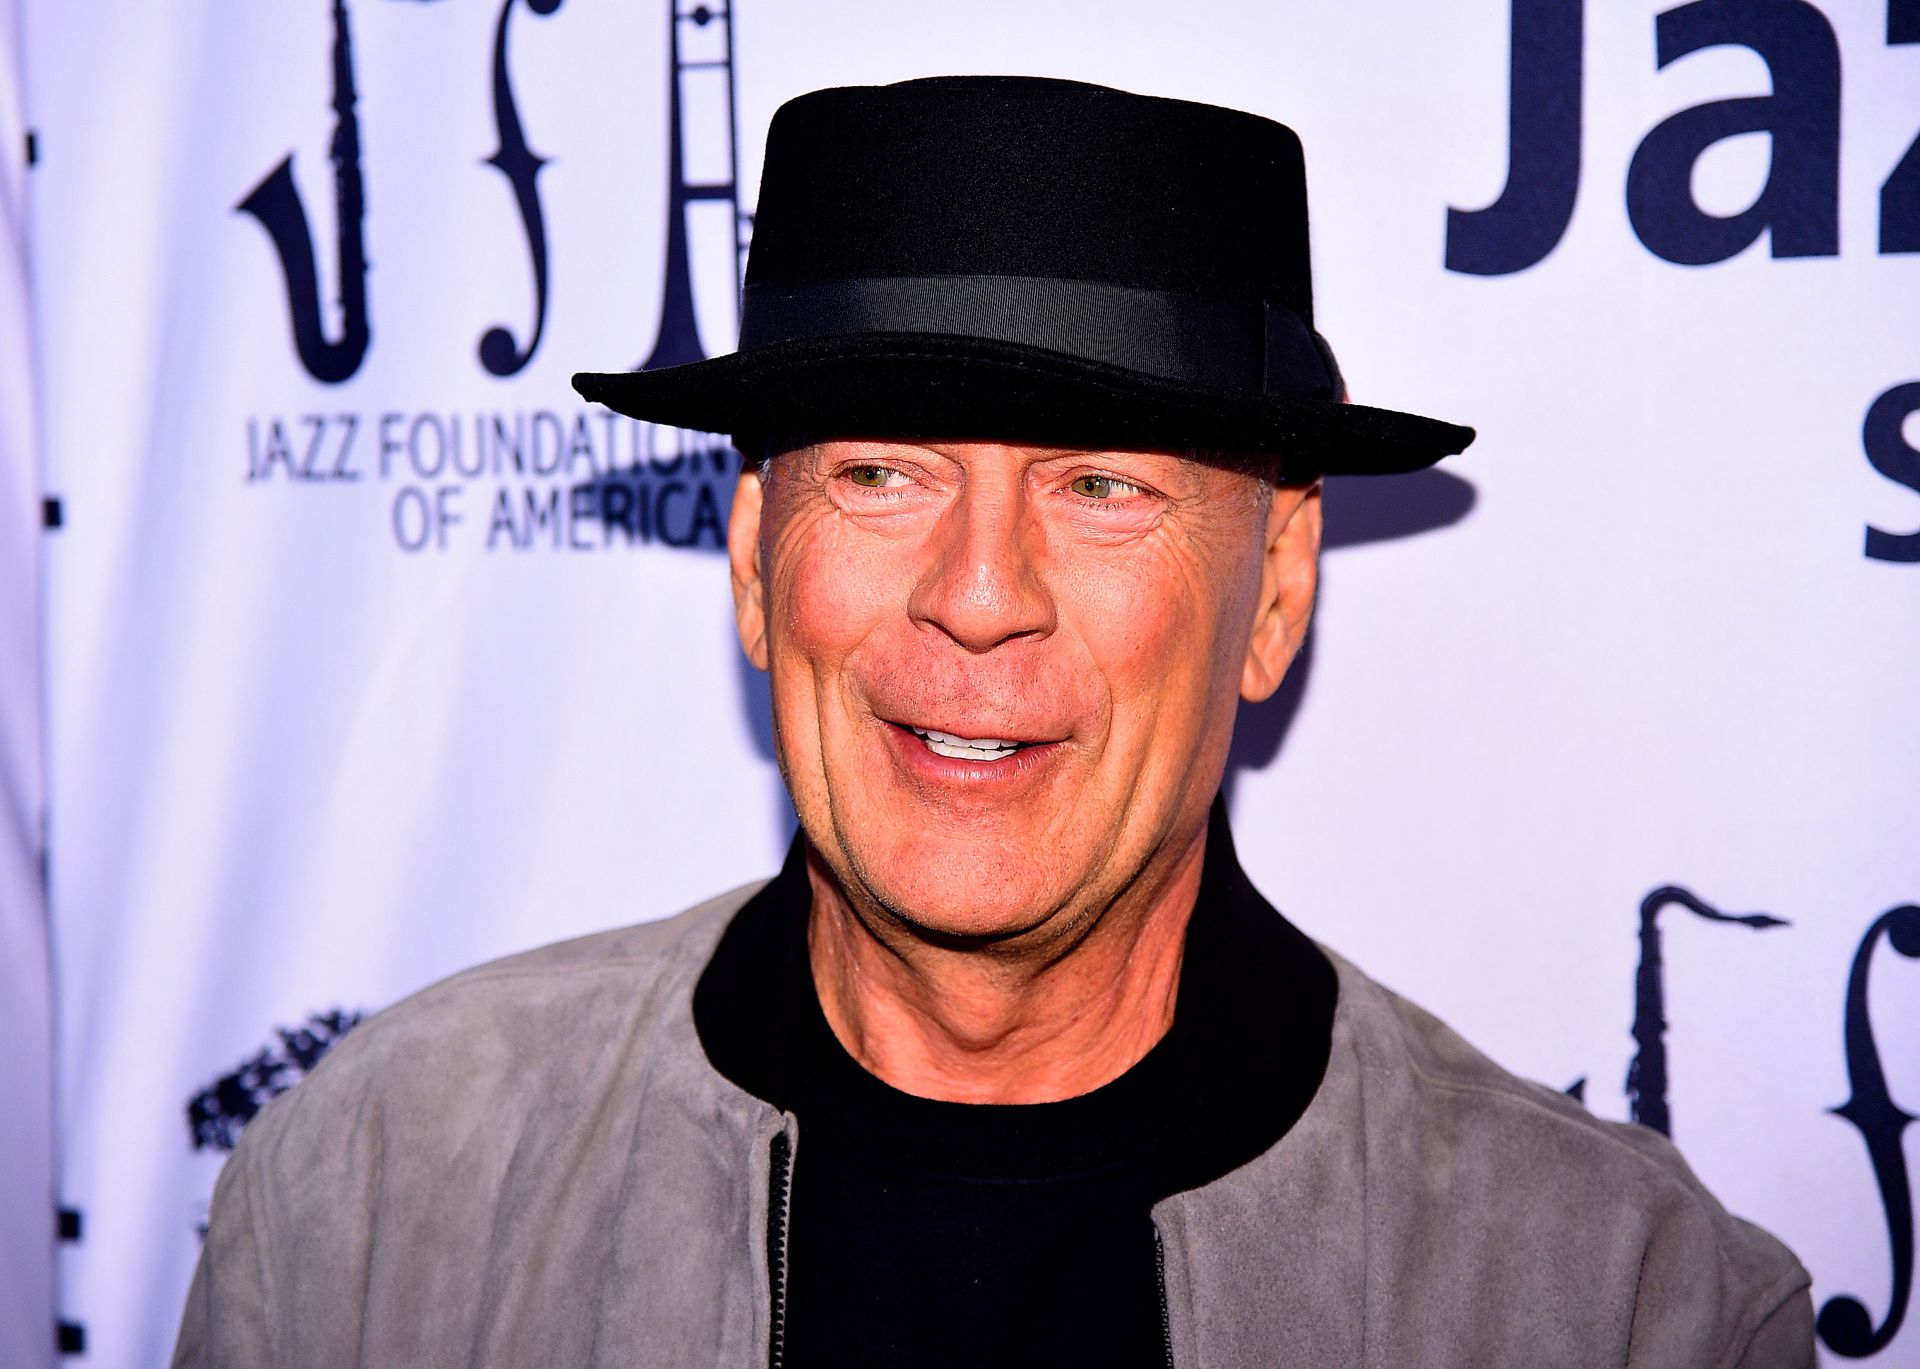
x,y
972,585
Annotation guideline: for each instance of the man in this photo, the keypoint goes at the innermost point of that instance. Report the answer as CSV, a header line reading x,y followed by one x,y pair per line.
x,y
1009,1064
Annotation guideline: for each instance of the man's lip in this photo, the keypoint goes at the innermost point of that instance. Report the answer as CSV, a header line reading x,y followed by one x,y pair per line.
x,y
950,777
975,731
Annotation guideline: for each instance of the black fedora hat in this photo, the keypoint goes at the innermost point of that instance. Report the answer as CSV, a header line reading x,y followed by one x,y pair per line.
x,y
1029,259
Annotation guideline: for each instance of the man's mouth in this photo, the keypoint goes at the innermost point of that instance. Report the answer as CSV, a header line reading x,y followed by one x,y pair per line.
x,y
966,748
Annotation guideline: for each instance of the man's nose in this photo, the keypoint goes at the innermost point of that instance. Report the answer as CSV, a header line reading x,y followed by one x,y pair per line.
x,y
982,584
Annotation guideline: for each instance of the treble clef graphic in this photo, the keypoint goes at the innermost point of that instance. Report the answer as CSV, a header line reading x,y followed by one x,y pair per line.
x,y
1845,1324
275,202
1647,1074
519,163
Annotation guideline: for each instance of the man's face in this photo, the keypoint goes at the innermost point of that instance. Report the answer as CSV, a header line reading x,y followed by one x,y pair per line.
x,y
1004,678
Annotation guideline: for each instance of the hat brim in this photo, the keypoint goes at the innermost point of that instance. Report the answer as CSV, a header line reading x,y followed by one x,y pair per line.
x,y
941,386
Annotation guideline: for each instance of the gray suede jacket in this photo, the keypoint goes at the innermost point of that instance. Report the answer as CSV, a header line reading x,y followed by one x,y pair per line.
x,y
535,1163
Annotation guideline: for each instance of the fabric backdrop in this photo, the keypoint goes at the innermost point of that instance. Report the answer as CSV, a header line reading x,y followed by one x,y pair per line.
x,y
372,653
26,1084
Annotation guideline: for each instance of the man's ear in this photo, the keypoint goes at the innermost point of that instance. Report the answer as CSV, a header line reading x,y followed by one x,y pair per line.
x,y
743,555
1289,574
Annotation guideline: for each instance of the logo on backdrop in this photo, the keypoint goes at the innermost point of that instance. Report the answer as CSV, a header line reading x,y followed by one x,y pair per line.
x,y
1647,1075
524,478
220,1112
1845,1325
1798,207
275,202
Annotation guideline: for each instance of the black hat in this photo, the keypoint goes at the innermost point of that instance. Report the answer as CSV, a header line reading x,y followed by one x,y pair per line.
x,y
1034,260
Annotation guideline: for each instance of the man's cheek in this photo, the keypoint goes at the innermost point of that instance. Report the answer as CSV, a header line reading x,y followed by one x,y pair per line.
x,y
1132,625
838,592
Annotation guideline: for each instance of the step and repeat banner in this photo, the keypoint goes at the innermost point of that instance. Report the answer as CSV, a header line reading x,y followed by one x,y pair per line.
x,y
372,653
26,1093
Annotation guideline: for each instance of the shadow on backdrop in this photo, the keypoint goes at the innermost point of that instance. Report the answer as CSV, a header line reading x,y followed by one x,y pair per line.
x,y
672,489
1364,509
1359,511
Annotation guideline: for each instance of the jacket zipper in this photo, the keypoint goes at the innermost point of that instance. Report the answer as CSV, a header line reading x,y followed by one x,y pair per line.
x,y
779,1201
1160,1279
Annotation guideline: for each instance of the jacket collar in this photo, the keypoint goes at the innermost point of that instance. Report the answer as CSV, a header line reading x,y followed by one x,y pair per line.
x,y
1252,1021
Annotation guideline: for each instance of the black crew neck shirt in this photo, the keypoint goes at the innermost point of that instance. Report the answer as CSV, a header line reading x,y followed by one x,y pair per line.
x,y
936,1234
928,1233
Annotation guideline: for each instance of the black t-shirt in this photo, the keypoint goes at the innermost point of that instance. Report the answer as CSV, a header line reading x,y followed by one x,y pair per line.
x,y
926,1233
934,1234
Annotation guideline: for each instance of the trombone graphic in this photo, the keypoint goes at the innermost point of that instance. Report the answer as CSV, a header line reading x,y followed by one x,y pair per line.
x,y
678,338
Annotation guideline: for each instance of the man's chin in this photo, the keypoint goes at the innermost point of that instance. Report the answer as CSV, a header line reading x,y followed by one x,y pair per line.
x,y
962,890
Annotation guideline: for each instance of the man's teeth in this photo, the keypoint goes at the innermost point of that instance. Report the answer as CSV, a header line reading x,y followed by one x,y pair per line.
x,y
966,748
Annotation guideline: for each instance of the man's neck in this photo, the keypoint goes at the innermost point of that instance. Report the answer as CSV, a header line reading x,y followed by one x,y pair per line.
x,y
989,1024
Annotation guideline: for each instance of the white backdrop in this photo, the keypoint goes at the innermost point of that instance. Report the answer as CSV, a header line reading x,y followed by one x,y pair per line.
x,y
26,1124
375,653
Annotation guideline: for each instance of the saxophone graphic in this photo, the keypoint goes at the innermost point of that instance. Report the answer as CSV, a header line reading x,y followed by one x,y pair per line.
x,y
1647,1073
275,202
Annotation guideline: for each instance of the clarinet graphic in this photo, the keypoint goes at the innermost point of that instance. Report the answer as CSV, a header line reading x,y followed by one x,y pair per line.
x,y
519,164
678,340
1845,1324
1647,1074
275,202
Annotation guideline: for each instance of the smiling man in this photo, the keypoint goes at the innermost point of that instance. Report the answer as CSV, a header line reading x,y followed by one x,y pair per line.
x,y
1005,680
1009,1065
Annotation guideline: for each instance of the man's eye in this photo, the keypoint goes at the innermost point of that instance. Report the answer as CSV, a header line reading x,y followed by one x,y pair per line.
x,y
872,477
1102,487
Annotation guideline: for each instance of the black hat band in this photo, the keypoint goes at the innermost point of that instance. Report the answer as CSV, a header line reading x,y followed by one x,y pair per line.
x,y
1252,346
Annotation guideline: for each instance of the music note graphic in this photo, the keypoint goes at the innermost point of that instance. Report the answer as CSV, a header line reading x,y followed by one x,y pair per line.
x,y
1647,1074
678,339
275,202
519,163
1845,1324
